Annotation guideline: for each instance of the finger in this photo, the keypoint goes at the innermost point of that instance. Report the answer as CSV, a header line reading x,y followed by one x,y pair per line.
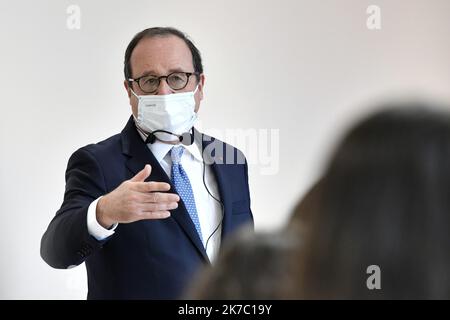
x,y
151,186
159,197
160,206
156,215
143,174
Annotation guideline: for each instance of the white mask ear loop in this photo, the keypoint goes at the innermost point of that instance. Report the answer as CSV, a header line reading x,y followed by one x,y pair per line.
x,y
132,91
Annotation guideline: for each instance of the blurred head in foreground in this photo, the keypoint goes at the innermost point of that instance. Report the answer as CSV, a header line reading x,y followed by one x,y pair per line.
x,y
251,266
383,201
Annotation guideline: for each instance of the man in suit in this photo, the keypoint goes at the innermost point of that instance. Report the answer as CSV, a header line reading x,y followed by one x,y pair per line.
x,y
147,207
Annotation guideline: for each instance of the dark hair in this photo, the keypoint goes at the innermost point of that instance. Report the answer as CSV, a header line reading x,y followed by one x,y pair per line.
x,y
250,266
162,32
384,200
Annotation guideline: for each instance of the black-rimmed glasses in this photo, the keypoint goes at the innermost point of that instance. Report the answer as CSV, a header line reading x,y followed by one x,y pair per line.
x,y
175,80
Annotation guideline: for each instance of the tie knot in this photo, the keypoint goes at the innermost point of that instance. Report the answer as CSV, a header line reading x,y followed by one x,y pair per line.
x,y
176,154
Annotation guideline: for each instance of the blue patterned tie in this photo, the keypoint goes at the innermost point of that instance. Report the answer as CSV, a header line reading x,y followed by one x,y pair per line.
x,y
183,186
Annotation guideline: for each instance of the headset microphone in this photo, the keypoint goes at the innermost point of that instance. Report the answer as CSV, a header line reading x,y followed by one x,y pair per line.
x,y
186,138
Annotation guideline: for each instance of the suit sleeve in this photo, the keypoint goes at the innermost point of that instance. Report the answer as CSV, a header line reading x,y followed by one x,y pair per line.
x,y
67,242
248,195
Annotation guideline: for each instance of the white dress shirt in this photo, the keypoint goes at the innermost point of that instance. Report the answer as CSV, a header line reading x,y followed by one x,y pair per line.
x,y
209,210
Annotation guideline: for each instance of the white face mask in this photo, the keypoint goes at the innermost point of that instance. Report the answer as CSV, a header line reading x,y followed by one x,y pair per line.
x,y
171,112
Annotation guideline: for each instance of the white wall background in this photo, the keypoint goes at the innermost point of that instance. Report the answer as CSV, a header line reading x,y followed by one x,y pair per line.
x,y
307,68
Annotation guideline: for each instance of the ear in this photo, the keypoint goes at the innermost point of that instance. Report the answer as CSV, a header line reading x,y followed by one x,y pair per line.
x,y
199,94
201,84
127,87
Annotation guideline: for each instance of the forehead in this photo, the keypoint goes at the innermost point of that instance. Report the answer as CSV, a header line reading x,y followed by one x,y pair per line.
x,y
161,55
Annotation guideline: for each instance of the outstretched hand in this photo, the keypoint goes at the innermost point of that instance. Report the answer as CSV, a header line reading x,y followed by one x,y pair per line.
x,y
135,200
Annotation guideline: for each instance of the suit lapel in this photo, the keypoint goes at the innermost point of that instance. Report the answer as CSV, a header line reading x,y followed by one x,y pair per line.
x,y
225,195
214,154
140,155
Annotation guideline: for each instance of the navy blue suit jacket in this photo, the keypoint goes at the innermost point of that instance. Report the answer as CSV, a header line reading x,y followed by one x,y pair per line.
x,y
148,259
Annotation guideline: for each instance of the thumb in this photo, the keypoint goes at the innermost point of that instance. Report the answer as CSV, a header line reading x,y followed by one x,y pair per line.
x,y
143,174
